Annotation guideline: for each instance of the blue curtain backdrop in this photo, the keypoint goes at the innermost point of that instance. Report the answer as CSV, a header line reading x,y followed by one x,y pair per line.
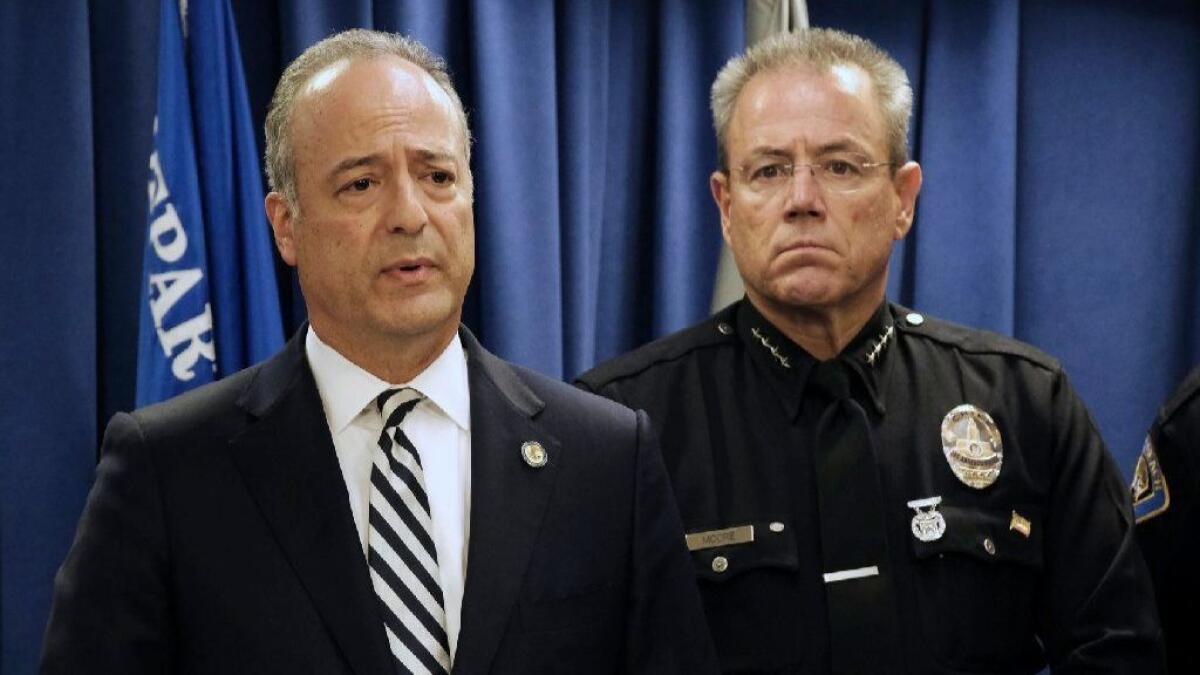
x,y
1060,140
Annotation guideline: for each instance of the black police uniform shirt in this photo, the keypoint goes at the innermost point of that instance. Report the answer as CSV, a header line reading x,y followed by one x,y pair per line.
x,y
1038,567
1166,485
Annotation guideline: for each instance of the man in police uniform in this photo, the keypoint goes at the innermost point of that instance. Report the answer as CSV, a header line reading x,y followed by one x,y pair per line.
x,y
1166,484
866,489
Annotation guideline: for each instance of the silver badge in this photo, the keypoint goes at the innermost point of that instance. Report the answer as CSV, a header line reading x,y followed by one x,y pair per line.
x,y
535,455
972,446
928,524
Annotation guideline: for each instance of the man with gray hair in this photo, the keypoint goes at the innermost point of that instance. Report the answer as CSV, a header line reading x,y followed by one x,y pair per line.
x,y
866,489
384,495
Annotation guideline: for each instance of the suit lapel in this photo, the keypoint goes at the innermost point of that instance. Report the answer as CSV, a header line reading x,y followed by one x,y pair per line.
x,y
287,459
508,501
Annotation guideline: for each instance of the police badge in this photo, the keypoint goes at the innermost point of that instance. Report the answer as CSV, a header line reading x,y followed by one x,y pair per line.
x,y
971,443
1149,489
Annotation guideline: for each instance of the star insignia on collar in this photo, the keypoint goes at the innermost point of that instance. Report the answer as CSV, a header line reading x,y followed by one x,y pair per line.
x,y
766,342
880,343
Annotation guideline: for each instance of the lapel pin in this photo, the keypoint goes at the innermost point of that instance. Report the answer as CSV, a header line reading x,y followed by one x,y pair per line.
x,y
1020,524
929,524
534,454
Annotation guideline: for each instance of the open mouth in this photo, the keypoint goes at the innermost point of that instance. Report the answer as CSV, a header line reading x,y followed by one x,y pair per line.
x,y
410,271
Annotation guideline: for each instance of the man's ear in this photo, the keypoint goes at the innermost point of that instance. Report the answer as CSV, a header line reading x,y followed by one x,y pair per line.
x,y
282,225
718,183
907,183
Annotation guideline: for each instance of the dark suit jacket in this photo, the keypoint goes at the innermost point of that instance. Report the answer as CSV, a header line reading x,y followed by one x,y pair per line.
x,y
218,539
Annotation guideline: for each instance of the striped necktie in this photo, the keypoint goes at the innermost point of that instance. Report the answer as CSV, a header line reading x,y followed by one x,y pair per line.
x,y
400,550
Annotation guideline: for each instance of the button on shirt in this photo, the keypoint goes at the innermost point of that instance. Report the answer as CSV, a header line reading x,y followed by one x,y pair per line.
x,y
439,427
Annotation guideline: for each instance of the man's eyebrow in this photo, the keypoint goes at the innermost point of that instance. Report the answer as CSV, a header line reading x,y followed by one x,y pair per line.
x,y
354,163
770,151
428,155
845,145
841,145
375,158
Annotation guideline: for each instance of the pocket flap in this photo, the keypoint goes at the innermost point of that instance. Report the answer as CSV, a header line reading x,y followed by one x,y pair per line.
x,y
772,546
990,535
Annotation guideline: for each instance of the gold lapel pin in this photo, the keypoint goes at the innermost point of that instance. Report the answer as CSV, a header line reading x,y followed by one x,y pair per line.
x,y
1020,524
534,454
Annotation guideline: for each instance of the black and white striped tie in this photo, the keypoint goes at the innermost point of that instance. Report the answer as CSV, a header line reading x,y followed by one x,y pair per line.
x,y
400,550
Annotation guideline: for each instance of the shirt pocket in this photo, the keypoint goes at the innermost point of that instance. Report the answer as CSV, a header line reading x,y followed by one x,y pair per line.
x,y
753,600
773,547
978,586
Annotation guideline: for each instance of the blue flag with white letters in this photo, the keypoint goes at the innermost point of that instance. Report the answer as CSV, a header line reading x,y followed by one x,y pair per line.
x,y
209,305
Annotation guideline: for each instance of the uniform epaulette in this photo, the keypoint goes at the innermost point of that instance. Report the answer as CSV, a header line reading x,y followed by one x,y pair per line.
x,y
1188,390
971,340
707,333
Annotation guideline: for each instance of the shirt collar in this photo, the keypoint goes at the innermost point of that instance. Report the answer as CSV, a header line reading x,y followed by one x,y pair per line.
x,y
445,384
790,365
346,389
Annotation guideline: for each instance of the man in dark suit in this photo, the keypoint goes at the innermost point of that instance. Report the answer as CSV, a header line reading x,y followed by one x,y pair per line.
x,y
384,495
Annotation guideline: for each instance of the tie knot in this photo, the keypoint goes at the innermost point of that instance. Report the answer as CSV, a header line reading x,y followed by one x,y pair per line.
x,y
395,404
831,378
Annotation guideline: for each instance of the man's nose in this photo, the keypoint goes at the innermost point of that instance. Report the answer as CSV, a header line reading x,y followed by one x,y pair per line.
x,y
804,194
408,210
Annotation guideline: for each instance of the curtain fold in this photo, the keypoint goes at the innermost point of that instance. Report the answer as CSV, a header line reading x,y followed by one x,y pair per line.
x,y
48,305
516,160
965,243
583,73
694,40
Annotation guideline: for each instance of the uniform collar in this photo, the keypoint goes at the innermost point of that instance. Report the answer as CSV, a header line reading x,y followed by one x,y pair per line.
x,y
866,357
346,389
868,353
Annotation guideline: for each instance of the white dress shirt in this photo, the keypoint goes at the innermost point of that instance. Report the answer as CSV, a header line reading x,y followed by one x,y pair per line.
x,y
439,427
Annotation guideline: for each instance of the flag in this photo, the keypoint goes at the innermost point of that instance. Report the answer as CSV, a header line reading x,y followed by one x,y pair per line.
x,y
209,302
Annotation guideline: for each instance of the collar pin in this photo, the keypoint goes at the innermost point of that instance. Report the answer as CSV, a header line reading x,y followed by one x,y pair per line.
x,y
880,343
783,360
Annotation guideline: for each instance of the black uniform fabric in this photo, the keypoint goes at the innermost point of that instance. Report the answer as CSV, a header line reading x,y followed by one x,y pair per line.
x,y
1168,532
732,402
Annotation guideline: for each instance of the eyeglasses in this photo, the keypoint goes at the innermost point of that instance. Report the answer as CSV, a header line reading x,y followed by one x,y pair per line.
x,y
838,174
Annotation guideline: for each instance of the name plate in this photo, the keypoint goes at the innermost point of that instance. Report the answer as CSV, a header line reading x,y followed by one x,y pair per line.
x,y
698,541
